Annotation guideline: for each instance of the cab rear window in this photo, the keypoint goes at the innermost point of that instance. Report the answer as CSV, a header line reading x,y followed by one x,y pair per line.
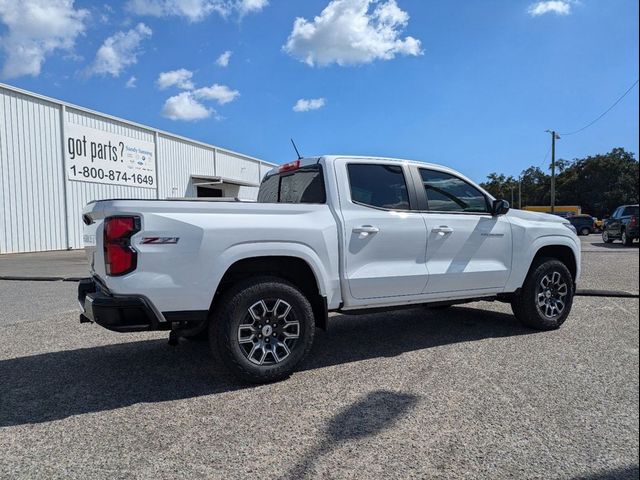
x,y
304,185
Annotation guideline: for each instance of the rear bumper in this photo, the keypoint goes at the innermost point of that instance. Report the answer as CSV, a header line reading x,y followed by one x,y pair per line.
x,y
117,313
632,232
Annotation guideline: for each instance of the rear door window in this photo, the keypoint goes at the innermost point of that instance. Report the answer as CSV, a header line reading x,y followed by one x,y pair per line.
x,y
377,185
629,211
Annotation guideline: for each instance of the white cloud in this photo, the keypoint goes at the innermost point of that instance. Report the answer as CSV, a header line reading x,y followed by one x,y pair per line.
x,y
131,83
119,51
220,93
185,107
223,60
194,10
33,29
559,7
180,78
304,105
348,32
189,105
249,6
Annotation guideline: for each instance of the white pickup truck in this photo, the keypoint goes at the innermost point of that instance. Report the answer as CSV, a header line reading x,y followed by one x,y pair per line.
x,y
333,233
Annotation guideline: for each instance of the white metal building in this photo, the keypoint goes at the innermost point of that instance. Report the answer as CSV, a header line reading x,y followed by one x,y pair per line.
x,y
56,157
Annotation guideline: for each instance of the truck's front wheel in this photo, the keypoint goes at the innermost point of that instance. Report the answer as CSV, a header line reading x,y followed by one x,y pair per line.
x,y
546,297
263,329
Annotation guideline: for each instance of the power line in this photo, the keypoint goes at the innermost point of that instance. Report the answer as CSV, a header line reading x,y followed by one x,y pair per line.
x,y
603,113
592,122
545,158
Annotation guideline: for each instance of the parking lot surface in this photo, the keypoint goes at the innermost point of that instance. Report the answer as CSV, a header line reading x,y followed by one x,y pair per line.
x,y
61,264
461,393
608,266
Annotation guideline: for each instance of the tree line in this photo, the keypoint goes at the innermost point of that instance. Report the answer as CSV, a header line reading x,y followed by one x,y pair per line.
x,y
599,183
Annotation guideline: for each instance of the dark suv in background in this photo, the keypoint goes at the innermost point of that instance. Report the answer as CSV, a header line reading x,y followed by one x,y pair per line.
x,y
585,224
623,225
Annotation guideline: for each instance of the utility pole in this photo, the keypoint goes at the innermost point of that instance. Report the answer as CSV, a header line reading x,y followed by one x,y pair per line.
x,y
554,137
520,192
511,195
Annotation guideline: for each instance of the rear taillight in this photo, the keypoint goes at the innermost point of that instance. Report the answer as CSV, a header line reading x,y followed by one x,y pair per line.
x,y
633,222
119,256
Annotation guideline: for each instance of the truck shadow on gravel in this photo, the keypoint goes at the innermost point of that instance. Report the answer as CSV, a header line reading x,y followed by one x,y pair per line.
x,y
372,414
624,473
616,246
53,386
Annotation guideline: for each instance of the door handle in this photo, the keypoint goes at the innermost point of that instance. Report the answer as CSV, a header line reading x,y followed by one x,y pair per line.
x,y
442,230
366,229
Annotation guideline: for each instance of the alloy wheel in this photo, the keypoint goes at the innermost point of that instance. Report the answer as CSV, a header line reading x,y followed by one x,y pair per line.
x,y
551,295
269,332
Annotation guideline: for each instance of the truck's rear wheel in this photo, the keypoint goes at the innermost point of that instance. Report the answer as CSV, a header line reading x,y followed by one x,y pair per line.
x,y
264,328
546,297
627,241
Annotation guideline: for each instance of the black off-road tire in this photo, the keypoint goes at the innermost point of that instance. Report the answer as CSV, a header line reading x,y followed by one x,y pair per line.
x,y
525,305
606,238
627,241
232,310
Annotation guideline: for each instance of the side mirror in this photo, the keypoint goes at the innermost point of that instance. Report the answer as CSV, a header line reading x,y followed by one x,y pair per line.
x,y
499,207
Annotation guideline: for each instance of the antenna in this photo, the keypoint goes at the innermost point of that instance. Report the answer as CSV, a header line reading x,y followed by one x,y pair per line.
x,y
296,149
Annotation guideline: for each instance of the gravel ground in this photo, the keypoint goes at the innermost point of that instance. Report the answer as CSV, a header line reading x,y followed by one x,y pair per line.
x,y
609,266
36,301
462,393
62,263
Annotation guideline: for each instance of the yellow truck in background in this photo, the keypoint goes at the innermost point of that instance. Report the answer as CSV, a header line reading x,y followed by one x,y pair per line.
x,y
565,211
561,210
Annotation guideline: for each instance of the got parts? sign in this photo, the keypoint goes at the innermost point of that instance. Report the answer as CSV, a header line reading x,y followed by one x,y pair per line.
x,y
97,156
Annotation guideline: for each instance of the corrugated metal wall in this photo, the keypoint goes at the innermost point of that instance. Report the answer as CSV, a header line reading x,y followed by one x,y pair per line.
x,y
180,161
41,210
31,183
264,169
246,193
233,167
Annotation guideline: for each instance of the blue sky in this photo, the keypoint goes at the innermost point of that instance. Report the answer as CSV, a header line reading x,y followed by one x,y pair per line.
x,y
469,84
